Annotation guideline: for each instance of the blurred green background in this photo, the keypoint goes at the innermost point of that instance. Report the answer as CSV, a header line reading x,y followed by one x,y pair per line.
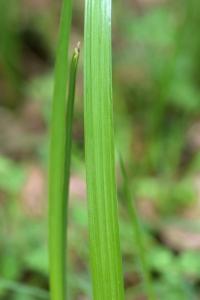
x,y
156,87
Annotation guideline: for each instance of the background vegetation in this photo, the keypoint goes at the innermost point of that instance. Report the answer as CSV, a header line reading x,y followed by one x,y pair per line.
x,y
156,77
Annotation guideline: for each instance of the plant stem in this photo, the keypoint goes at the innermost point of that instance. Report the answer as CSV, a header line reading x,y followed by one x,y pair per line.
x,y
138,233
57,168
105,255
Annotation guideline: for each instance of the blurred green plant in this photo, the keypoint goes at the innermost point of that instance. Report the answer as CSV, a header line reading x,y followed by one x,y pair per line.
x,y
22,289
12,175
138,233
10,51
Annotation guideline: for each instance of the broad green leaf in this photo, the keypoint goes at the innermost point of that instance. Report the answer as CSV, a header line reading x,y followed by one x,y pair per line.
x,y
105,255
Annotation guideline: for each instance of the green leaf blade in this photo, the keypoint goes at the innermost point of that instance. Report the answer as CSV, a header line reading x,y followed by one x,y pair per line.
x,y
57,161
102,207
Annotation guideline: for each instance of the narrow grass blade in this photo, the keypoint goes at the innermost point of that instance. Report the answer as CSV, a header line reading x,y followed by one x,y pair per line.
x,y
105,255
57,168
138,233
69,118
55,260
19,288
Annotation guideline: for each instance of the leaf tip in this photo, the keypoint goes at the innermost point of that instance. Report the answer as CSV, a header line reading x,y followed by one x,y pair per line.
x,y
77,48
